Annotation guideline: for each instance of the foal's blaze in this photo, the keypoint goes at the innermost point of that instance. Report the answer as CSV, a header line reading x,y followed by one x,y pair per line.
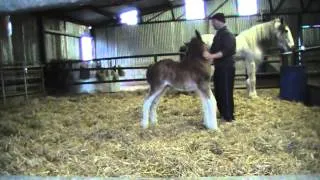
x,y
193,73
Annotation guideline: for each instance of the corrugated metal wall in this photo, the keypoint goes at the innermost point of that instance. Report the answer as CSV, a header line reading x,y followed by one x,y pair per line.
x,y
169,36
25,40
59,46
165,37
21,48
6,56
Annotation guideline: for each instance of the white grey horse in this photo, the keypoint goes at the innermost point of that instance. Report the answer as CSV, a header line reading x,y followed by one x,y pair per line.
x,y
252,43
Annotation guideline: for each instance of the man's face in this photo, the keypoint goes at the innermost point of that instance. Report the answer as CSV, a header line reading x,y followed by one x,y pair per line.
x,y
215,23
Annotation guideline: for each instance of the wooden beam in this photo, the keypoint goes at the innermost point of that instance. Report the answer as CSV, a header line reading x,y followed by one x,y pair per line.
x,y
227,16
145,11
279,5
302,5
214,11
271,6
308,6
102,12
63,17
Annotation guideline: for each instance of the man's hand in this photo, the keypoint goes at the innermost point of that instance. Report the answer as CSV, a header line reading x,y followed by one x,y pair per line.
x,y
207,55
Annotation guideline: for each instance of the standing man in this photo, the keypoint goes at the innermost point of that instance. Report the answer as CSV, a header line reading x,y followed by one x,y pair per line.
x,y
222,51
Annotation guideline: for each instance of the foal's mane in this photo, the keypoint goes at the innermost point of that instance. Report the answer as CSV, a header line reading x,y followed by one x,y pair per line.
x,y
195,47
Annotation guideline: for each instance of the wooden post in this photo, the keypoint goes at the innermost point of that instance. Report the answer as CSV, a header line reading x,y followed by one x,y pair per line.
x,y
155,58
42,44
3,88
298,56
25,70
42,80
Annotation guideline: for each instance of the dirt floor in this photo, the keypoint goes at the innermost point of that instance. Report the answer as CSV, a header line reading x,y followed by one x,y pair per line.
x,y
99,135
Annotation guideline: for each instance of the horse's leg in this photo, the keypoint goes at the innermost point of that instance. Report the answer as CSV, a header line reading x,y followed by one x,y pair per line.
x,y
212,105
209,108
154,105
149,100
251,81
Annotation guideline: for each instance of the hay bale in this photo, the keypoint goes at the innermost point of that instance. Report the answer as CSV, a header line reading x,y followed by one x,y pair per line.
x,y
101,75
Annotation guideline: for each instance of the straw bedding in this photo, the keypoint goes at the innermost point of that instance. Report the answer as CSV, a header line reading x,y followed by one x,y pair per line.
x,y
99,135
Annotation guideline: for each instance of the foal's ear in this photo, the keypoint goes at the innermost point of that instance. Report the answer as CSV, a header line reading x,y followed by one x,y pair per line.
x,y
198,35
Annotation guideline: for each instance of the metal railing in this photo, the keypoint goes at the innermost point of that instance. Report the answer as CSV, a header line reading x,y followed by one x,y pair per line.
x,y
22,79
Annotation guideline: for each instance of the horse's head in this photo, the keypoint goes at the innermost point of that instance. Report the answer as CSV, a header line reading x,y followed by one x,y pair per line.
x,y
283,34
196,46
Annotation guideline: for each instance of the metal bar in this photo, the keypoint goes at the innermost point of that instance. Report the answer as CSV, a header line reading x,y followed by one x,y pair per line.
x,y
25,63
25,83
214,11
14,68
3,88
97,69
121,57
43,82
60,33
300,36
110,81
65,39
20,94
178,18
159,14
172,14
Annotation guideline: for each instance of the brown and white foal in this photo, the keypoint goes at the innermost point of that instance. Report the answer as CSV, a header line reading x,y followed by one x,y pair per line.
x,y
193,73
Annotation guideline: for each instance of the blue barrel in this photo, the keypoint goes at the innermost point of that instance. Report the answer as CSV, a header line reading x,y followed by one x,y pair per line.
x,y
293,83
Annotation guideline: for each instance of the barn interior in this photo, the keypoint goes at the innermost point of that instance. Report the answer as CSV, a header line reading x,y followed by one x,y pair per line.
x,y
73,82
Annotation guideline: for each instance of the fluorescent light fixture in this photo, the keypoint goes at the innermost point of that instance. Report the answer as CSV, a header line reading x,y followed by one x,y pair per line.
x,y
194,9
129,17
247,7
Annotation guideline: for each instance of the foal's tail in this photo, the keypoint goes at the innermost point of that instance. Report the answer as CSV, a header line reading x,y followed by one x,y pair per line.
x,y
149,74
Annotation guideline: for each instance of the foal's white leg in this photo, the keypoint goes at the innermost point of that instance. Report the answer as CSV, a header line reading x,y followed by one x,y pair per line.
x,y
212,109
147,107
209,110
154,105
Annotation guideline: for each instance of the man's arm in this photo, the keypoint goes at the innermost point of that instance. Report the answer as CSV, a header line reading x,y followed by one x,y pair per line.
x,y
228,48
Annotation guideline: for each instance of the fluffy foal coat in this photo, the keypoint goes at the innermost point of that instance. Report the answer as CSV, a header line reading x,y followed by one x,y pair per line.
x,y
193,73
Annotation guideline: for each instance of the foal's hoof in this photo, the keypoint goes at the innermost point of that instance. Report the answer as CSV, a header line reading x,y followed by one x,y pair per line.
x,y
144,125
253,96
214,129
